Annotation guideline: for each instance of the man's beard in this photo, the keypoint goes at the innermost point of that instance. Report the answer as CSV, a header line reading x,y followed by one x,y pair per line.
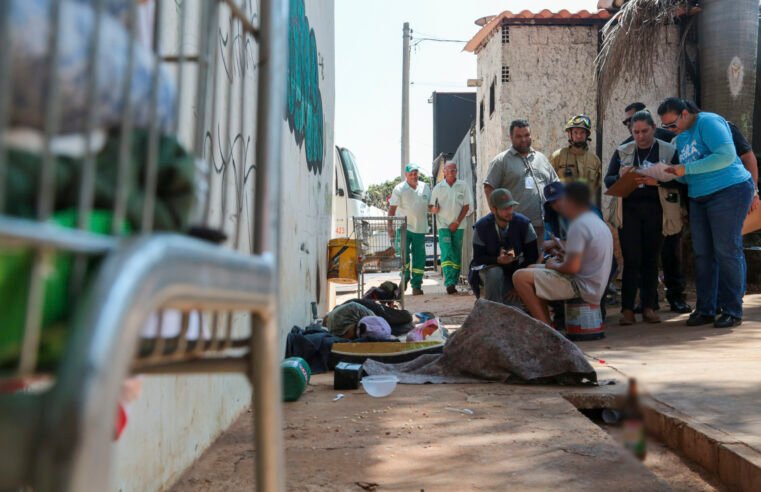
x,y
580,145
523,150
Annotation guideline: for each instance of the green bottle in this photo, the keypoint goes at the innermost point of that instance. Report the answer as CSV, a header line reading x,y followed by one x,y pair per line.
x,y
634,423
296,374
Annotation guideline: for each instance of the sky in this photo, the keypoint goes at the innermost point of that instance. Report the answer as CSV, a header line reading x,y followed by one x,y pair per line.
x,y
369,71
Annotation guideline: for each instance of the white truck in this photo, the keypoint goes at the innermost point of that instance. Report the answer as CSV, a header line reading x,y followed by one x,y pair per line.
x,y
348,195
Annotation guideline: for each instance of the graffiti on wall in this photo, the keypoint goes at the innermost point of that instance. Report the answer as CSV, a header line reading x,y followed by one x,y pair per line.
x,y
304,111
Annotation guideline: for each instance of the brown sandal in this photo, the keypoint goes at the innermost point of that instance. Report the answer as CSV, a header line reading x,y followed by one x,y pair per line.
x,y
627,318
650,316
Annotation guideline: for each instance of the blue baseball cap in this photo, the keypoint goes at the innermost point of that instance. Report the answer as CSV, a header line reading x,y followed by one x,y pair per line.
x,y
553,191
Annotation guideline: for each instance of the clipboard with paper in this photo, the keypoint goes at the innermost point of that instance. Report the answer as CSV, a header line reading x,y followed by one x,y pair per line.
x,y
624,187
626,184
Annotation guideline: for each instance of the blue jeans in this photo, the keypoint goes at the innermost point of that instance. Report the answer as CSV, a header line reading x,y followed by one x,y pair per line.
x,y
716,222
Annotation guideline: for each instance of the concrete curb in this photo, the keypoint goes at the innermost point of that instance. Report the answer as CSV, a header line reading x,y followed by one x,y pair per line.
x,y
737,465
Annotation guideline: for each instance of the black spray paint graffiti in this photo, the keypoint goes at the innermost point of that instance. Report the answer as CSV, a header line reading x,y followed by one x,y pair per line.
x,y
304,111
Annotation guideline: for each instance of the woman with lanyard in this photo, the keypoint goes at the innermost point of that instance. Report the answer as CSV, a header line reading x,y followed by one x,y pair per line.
x,y
720,191
640,217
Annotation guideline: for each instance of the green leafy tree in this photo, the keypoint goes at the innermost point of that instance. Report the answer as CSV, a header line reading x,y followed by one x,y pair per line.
x,y
378,194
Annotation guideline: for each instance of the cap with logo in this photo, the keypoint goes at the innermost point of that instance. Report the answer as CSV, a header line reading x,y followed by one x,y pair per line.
x,y
502,198
553,191
411,167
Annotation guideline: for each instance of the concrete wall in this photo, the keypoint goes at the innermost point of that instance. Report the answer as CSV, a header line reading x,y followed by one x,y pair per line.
x,y
176,418
551,80
308,186
666,84
490,140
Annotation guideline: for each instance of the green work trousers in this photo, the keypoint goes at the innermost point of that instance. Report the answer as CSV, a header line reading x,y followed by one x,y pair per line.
x,y
451,254
414,269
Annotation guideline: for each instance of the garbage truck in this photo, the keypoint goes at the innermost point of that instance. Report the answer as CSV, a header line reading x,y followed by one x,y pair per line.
x,y
349,195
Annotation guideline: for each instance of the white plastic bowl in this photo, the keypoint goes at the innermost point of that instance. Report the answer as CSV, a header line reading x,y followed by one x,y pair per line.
x,y
379,386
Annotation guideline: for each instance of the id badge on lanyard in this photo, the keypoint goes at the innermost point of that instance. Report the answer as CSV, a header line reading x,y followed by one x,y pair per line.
x,y
531,183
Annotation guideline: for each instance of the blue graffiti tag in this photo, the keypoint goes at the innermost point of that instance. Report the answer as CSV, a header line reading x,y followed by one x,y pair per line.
x,y
304,112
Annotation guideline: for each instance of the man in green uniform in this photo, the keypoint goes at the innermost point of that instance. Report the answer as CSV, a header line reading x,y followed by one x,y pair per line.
x,y
410,198
576,161
451,201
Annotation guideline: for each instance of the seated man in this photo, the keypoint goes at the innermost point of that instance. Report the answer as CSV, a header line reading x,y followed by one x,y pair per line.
x,y
585,267
503,242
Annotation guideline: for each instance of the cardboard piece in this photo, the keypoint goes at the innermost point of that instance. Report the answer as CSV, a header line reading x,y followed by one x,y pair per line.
x,y
752,222
625,185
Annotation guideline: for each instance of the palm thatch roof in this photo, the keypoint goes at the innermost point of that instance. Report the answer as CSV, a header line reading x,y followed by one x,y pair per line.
x,y
632,39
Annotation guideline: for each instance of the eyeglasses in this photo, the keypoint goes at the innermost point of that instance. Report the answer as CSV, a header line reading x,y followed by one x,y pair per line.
x,y
672,125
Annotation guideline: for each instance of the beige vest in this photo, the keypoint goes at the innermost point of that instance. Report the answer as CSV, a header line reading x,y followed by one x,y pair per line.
x,y
672,211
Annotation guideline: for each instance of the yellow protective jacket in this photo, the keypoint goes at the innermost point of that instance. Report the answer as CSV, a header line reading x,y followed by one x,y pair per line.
x,y
572,163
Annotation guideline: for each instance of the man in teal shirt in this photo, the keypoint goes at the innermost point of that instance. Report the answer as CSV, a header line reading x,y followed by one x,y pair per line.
x,y
410,198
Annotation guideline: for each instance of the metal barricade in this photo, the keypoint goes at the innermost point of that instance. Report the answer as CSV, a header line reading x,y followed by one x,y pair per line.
x,y
112,282
381,243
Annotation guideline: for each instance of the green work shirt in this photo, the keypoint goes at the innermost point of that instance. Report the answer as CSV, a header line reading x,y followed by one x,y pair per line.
x,y
526,178
412,203
451,200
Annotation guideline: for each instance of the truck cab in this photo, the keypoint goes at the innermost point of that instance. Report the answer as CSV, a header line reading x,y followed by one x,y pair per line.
x,y
348,195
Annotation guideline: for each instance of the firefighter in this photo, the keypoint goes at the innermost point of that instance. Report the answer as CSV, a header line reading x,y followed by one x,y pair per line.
x,y
576,162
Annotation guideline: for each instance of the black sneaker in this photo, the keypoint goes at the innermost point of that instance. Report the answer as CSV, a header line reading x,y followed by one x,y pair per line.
x,y
681,307
727,321
697,319
451,289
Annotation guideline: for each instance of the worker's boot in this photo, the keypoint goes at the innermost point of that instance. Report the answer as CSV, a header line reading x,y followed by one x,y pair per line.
x,y
451,289
417,291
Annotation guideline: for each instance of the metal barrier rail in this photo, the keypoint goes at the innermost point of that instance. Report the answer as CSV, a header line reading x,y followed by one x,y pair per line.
x,y
59,438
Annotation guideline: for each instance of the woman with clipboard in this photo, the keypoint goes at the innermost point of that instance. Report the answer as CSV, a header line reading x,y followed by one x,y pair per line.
x,y
642,216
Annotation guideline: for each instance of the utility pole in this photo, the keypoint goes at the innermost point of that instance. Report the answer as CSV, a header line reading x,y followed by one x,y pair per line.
x,y
406,97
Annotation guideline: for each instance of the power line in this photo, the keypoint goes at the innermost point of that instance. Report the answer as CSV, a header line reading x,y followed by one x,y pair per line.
x,y
437,40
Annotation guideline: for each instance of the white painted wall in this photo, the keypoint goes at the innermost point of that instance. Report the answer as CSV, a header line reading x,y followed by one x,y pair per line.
x,y
176,418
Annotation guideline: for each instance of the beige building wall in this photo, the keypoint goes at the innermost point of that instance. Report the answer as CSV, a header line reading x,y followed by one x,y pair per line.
x,y
490,139
551,80
665,84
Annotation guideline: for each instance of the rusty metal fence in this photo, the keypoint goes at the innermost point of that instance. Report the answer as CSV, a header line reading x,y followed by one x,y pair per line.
x,y
104,246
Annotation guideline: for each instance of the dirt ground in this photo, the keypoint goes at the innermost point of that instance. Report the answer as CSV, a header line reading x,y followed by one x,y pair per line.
x,y
437,437
426,438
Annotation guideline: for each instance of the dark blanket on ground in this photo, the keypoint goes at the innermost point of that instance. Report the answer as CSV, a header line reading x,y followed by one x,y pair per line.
x,y
497,343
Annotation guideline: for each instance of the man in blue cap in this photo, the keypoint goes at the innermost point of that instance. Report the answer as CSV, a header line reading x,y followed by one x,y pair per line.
x,y
410,198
